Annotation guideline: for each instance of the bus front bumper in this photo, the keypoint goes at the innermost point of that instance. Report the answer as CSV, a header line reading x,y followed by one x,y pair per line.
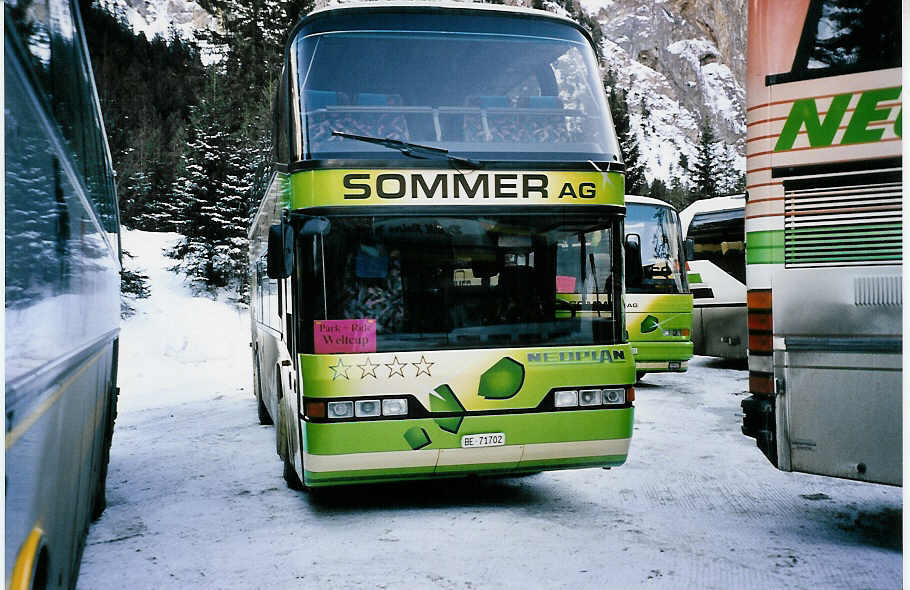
x,y
391,450
656,357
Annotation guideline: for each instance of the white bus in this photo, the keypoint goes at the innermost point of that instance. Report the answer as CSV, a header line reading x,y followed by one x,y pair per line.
x,y
717,276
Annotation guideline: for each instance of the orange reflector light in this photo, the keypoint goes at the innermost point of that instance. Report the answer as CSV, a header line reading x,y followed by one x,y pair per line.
x,y
685,332
760,322
761,383
630,394
315,409
758,299
759,342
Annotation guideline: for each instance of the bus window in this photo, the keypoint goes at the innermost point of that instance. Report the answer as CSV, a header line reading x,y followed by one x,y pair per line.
x,y
847,36
719,237
445,282
658,228
466,92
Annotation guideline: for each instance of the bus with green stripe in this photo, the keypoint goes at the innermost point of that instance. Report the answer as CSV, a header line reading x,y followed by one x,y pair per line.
x,y
824,237
435,166
658,301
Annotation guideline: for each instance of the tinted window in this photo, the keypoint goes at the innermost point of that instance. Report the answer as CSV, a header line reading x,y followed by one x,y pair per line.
x,y
847,36
720,238
59,62
486,281
659,231
492,96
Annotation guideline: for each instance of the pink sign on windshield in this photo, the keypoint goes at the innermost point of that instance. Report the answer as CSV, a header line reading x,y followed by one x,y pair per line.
x,y
344,335
565,284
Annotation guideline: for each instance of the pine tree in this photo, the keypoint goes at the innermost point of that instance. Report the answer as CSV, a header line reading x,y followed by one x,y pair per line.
x,y
636,183
731,181
204,195
705,171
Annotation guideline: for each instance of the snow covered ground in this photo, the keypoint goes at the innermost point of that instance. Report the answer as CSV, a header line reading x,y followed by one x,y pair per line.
x,y
196,497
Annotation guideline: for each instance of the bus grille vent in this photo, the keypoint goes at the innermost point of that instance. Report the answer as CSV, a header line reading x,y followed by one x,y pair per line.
x,y
848,219
877,290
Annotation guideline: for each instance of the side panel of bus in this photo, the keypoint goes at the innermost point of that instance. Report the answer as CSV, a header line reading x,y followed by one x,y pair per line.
x,y
62,305
823,225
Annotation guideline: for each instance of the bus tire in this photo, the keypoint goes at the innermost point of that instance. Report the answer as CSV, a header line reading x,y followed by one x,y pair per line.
x,y
99,500
290,475
284,451
262,411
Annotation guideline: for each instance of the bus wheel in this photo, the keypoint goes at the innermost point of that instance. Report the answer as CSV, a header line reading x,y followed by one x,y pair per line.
x,y
290,474
99,501
262,411
640,374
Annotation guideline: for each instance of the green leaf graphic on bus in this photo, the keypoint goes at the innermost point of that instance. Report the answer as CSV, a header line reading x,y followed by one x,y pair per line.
x,y
502,380
443,399
649,324
417,437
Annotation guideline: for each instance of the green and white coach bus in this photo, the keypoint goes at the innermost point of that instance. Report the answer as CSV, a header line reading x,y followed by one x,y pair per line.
x,y
658,301
442,172
823,236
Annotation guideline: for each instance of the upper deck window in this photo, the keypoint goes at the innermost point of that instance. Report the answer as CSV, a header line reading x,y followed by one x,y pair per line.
x,y
491,93
845,37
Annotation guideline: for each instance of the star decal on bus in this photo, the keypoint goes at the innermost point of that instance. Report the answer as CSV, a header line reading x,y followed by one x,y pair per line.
x,y
396,367
368,368
340,369
423,366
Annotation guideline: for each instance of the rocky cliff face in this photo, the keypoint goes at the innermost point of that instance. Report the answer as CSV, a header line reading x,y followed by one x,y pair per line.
x,y
682,61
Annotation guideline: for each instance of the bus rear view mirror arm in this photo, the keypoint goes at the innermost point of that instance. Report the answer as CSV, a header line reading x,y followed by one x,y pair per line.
x,y
280,258
632,246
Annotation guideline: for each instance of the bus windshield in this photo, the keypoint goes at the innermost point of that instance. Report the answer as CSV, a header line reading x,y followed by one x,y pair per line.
x,y
432,282
493,96
661,243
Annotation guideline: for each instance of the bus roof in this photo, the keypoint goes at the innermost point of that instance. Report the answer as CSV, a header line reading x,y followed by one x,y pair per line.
x,y
646,201
727,203
378,6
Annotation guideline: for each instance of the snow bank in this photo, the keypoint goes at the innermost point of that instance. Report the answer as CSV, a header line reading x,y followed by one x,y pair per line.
x,y
180,347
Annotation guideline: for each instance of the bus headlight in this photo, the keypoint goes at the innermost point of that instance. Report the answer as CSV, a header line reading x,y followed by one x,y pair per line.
x,y
614,396
340,410
589,397
394,407
367,408
566,399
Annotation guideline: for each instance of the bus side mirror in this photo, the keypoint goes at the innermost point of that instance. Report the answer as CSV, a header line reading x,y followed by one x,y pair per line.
x,y
690,249
280,256
632,247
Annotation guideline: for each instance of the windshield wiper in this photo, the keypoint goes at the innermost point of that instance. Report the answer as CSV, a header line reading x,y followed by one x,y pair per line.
x,y
414,150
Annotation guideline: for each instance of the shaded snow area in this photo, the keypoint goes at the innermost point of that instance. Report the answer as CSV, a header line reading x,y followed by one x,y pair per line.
x,y
196,497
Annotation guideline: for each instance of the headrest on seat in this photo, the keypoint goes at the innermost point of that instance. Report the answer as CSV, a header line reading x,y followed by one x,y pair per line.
x,y
489,101
541,102
373,99
319,99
